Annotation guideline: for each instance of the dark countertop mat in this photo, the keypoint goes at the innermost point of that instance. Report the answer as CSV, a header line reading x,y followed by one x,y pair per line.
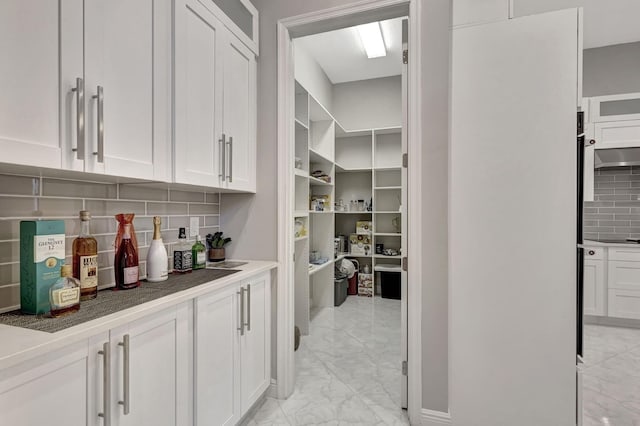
x,y
109,301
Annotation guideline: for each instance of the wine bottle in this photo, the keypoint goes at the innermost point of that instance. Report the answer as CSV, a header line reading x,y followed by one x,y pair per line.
x,y
85,259
157,256
199,254
126,265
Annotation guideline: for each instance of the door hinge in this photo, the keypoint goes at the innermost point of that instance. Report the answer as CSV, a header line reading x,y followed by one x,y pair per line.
x,y
405,264
405,56
405,368
405,160
294,257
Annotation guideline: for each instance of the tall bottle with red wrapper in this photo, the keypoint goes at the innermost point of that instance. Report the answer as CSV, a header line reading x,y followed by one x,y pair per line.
x,y
126,262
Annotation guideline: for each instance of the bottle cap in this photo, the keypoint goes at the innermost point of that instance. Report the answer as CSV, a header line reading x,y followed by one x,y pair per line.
x,y
198,238
182,233
157,220
85,215
66,271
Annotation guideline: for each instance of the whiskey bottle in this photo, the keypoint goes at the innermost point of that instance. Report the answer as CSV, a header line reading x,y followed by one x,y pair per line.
x,y
182,255
157,256
199,254
64,294
85,259
126,265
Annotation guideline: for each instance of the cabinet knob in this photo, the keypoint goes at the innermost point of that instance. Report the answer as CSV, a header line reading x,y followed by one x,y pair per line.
x,y
591,252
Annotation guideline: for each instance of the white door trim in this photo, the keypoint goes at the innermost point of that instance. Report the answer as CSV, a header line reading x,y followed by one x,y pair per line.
x,y
285,377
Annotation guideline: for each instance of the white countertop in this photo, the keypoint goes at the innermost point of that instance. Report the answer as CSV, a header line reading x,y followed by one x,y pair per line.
x,y
21,344
591,243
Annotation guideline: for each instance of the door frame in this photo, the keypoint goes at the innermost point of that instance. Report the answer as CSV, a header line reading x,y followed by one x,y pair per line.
x,y
321,21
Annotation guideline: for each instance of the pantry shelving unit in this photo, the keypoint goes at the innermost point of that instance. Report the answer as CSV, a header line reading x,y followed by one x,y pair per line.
x,y
363,164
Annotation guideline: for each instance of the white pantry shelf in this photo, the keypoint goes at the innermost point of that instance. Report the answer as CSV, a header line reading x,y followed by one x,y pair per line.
x,y
313,181
316,268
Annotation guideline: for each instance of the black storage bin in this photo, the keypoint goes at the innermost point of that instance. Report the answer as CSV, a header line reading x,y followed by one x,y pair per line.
x,y
390,283
340,290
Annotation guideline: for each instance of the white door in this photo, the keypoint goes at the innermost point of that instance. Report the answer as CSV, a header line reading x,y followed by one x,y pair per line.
x,y
128,63
217,360
41,51
617,134
512,229
404,291
255,344
239,115
150,359
51,390
198,95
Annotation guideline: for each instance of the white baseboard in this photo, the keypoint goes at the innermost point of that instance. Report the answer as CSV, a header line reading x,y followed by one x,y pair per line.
x,y
435,418
272,390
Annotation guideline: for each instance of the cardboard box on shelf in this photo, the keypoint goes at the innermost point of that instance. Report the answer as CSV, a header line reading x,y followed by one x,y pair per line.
x,y
364,227
360,244
365,285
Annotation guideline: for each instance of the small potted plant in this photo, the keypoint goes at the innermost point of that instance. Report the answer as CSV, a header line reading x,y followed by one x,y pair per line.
x,y
216,243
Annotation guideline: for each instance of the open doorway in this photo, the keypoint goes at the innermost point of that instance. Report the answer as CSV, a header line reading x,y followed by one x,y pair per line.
x,y
314,128
611,296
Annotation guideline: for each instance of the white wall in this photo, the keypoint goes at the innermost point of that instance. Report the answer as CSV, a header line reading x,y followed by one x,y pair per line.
x,y
612,70
466,12
368,103
312,76
260,237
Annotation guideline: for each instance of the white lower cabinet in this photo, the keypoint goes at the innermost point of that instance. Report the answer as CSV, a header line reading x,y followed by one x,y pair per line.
x,y
147,372
232,341
595,287
51,389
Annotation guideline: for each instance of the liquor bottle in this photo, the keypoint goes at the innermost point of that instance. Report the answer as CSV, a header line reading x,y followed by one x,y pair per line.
x,y
182,255
199,254
126,265
64,294
85,259
157,256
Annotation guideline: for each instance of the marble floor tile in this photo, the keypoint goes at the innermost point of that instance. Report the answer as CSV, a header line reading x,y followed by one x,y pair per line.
x,y
348,369
611,379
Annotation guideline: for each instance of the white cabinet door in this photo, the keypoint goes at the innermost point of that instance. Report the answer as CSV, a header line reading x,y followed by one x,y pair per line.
x,y
198,95
50,390
152,389
617,134
41,51
624,303
255,344
128,56
217,365
595,286
239,115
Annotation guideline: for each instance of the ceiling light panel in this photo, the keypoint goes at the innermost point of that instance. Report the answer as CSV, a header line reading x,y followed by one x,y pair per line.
x,y
371,37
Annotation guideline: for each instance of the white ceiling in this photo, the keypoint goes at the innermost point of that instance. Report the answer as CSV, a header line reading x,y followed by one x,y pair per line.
x,y
342,57
609,22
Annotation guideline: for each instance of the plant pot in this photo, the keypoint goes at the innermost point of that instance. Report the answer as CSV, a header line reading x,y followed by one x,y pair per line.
x,y
216,255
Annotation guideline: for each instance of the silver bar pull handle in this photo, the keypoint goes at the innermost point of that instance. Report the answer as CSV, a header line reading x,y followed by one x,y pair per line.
x,y
79,89
222,142
125,374
106,384
248,307
230,143
100,127
241,294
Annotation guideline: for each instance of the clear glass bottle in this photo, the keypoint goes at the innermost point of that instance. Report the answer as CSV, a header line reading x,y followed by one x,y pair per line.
x,y
126,265
182,254
199,254
85,259
64,294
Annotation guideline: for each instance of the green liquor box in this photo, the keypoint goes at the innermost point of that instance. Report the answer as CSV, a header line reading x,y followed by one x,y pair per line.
x,y
41,257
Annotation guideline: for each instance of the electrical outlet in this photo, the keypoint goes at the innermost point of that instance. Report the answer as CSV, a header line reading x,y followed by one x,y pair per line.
x,y
194,226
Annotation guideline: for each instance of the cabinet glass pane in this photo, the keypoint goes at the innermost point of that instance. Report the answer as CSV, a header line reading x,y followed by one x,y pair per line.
x,y
622,107
238,13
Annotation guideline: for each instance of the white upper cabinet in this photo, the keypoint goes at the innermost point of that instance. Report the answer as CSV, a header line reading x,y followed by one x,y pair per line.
x,y
215,102
240,17
41,51
198,95
617,134
239,116
128,69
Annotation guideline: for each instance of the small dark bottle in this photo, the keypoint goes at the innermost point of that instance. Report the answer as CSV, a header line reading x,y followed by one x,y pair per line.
x,y
126,265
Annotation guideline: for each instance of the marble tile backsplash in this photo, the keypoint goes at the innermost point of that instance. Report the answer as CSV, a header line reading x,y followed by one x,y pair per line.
x,y
31,198
615,211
